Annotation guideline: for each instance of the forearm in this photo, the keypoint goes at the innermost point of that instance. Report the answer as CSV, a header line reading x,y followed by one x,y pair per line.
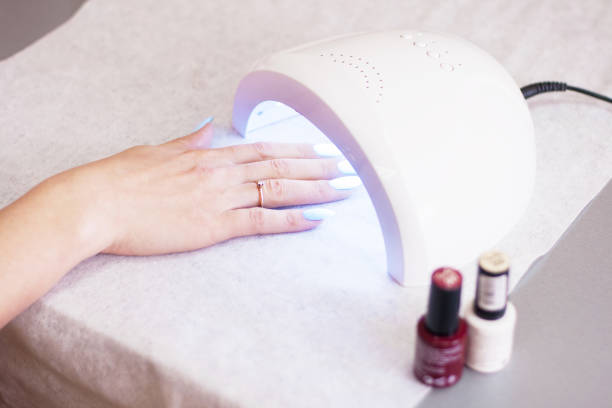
x,y
178,196
42,236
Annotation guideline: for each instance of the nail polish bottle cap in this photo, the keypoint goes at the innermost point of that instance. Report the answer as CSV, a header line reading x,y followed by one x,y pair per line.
x,y
492,285
442,318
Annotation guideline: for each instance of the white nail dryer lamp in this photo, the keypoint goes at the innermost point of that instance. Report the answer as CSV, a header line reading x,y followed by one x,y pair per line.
x,y
438,131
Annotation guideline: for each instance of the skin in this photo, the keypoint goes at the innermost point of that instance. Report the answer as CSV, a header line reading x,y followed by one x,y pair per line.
x,y
178,196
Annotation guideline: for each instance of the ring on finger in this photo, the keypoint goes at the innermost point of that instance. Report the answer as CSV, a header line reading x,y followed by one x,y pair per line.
x,y
260,185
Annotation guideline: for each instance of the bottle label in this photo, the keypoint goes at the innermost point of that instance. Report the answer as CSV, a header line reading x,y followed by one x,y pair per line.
x,y
439,367
492,292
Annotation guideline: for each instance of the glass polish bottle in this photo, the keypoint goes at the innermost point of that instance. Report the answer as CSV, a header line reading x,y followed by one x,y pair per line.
x,y
441,333
491,318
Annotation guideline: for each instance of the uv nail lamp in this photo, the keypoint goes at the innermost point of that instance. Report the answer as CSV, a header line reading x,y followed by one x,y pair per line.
x,y
438,131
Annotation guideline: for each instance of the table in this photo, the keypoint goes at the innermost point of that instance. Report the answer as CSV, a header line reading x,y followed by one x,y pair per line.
x,y
561,352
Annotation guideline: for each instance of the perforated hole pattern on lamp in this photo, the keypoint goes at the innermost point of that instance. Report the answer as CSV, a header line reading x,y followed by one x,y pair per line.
x,y
371,78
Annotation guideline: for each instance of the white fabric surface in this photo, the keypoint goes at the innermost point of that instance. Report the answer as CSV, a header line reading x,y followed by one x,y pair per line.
x,y
295,320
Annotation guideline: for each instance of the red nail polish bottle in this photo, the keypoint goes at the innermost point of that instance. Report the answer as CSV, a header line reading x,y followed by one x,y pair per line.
x,y
441,334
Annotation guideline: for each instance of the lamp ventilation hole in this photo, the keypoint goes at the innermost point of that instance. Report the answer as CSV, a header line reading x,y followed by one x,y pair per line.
x,y
362,67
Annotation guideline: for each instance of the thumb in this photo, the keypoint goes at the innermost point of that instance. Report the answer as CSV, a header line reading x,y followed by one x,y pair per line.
x,y
200,138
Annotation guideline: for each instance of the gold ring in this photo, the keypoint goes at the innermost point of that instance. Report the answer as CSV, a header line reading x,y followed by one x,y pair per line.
x,y
260,185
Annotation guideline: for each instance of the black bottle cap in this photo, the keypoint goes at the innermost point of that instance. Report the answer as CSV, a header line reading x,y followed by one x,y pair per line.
x,y
492,285
442,318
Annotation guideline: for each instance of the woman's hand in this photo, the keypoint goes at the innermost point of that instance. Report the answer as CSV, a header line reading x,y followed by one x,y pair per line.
x,y
178,196
182,196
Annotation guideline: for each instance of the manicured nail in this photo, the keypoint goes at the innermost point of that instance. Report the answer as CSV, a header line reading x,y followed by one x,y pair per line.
x,y
345,183
204,123
327,150
317,214
345,167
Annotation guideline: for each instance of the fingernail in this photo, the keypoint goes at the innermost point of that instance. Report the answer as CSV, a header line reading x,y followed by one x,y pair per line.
x,y
345,167
345,183
317,214
204,123
327,150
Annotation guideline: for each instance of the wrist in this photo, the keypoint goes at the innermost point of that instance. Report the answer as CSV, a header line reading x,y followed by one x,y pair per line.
x,y
43,235
81,210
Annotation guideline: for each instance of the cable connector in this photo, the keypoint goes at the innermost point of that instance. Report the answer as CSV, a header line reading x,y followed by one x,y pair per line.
x,y
541,87
550,86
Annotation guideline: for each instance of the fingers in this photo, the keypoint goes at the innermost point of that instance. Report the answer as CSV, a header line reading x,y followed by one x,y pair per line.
x,y
244,154
252,221
283,193
297,169
201,138
248,153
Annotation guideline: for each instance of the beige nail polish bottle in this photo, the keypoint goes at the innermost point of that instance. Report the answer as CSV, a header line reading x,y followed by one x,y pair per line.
x,y
491,318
